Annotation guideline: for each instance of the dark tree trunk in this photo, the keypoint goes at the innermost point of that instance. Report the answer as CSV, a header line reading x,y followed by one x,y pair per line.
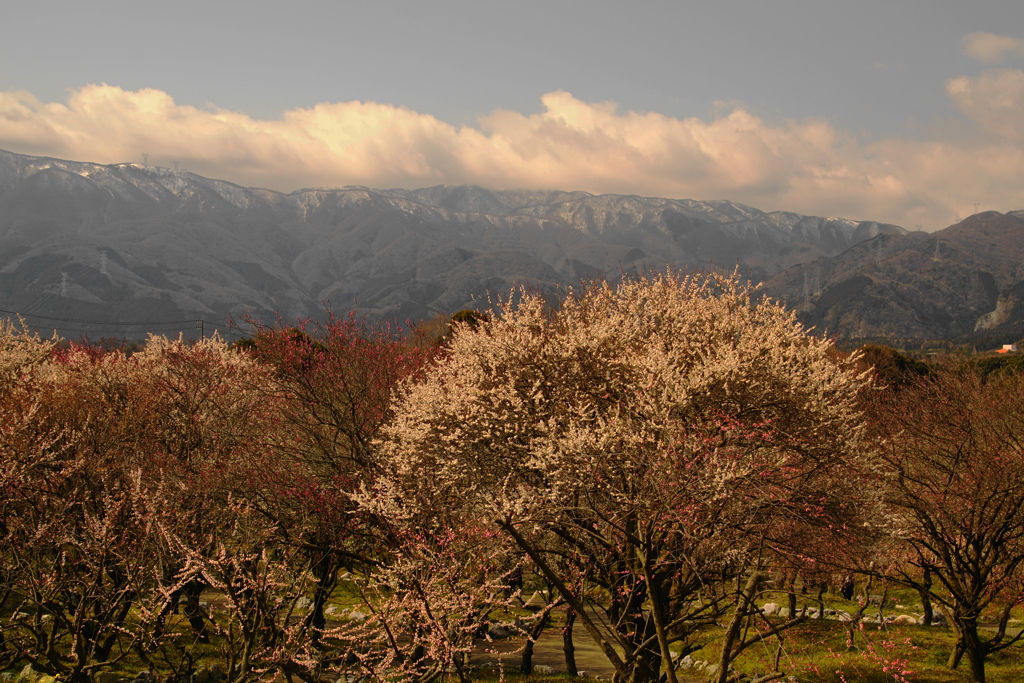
x,y
192,590
969,644
325,572
646,664
526,665
924,590
532,636
568,648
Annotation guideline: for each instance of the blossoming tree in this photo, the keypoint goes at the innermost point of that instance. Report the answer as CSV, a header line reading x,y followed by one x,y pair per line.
x,y
641,444
953,468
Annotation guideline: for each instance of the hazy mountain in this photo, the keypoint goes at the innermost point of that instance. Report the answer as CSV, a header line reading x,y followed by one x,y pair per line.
x,y
962,282
125,243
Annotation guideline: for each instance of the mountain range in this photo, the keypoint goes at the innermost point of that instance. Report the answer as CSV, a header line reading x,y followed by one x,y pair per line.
x,y
123,248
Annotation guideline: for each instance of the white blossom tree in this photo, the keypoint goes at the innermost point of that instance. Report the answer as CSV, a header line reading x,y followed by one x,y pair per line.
x,y
641,444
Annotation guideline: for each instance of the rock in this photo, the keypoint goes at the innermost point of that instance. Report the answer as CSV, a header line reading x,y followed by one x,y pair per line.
x,y
581,674
904,620
711,670
770,608
27,674
46,679
356,615
303,603
843,615
330,609
543,669
216,672
686,662
784,612
497,632
202,675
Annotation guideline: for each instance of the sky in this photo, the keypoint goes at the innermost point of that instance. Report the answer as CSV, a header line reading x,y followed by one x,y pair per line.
x,y
903,111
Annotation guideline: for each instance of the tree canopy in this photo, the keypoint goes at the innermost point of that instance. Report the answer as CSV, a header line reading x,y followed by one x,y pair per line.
x,y
651,439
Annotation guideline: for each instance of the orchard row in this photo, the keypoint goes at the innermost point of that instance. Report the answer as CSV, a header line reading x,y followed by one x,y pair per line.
x,y
643,459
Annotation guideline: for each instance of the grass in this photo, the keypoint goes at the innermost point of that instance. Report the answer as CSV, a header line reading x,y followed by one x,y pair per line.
x,y
812,652
818,652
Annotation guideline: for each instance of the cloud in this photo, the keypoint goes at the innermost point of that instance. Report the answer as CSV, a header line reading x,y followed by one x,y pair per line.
x,y
994,100
991,48
800,165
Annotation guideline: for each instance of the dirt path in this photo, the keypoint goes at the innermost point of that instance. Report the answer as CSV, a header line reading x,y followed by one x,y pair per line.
x,y
590,661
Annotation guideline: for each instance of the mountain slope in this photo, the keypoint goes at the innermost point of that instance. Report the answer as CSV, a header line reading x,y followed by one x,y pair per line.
x,y
125,242
963,281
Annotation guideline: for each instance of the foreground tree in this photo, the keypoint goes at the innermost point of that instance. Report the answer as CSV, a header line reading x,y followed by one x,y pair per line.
x,y
642,445
331,386
953,471
78,553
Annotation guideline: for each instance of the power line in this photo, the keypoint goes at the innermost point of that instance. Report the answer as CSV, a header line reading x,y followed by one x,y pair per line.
x,y
71,330
101,322
123,327
123,332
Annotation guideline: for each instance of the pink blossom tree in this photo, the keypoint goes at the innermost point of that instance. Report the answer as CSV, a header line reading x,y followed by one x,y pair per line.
x,y
332,386
953,479
77,552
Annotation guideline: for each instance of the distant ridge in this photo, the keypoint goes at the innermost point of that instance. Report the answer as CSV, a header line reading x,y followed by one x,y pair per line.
x,y
127,242
965,282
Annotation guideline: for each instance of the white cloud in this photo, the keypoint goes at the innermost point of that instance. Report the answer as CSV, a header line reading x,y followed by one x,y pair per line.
x,y
994,99
806,165
992,48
